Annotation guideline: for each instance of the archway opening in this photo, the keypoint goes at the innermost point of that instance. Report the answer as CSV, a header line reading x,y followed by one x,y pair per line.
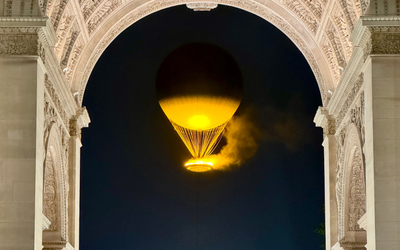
x,y
135,191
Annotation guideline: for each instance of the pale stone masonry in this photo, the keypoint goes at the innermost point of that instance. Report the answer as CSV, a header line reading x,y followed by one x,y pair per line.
x,y
48,49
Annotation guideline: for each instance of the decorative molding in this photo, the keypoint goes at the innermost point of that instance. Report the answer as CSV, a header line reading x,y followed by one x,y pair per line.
x,y
18,41
64,27
51,192
104,11
57,245
363,222
45,222
334,39
385,43
332,59
357,193
303,13
76,51
68,48
343,30
201,6
89,7
56,16
55,99
348,98
350,183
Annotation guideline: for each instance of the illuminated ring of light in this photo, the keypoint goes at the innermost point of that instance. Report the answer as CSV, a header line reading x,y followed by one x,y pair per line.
x,y
198,165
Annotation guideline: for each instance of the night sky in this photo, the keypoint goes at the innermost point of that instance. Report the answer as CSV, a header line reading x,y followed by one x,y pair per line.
x,y
135,193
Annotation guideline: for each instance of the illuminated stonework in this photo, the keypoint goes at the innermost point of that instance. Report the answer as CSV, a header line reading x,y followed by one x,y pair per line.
x,y
202,6
352,47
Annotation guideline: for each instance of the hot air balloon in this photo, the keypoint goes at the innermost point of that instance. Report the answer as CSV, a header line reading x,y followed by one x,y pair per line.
x,y
199,88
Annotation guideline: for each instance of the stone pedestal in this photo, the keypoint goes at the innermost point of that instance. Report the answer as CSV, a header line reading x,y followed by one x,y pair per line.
x,y
382,151
21,152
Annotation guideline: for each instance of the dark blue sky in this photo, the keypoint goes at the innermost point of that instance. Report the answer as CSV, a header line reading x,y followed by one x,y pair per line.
x,y
135,193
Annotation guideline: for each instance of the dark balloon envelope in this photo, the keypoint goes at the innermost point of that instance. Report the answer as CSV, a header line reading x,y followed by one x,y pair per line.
x,y
199,69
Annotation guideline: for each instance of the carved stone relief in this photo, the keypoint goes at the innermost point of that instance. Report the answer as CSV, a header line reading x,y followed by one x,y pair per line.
x,y
385,43
357,206
73,59
316,8
50,196
343,29
302,12
348,98
62,31
89,7
100,14
350,173
336,43
58,11
55,99
55,192
350,182
69,44
19,41
349,12
154,6
332,60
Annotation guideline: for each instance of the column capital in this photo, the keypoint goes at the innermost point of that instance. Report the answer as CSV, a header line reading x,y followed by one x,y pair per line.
x,y
377,35
326,121
79,121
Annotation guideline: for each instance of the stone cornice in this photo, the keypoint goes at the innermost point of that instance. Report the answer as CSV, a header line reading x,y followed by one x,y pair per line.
x,y
23,19
380,20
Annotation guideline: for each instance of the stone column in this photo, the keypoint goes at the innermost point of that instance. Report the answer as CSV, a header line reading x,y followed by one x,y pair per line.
x,y
324,120
21,126
382,131
382,149
81,119
36,105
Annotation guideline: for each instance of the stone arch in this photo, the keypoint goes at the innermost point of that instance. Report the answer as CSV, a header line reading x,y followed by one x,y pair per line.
x,y
351,191
55,189
301,26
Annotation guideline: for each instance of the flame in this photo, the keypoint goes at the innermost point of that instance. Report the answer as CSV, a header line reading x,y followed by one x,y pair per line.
x,y
199,165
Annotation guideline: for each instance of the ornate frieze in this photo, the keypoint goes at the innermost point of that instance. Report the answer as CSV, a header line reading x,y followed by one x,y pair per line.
x,y
385,43
332,60
56,186
343,29
336,43
58,12
62,31
348,98
357,207
350,183
100,14
55,99
8,8
68,48
316,8
89,7
50,197
349,12
73,60
303,13
19,41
